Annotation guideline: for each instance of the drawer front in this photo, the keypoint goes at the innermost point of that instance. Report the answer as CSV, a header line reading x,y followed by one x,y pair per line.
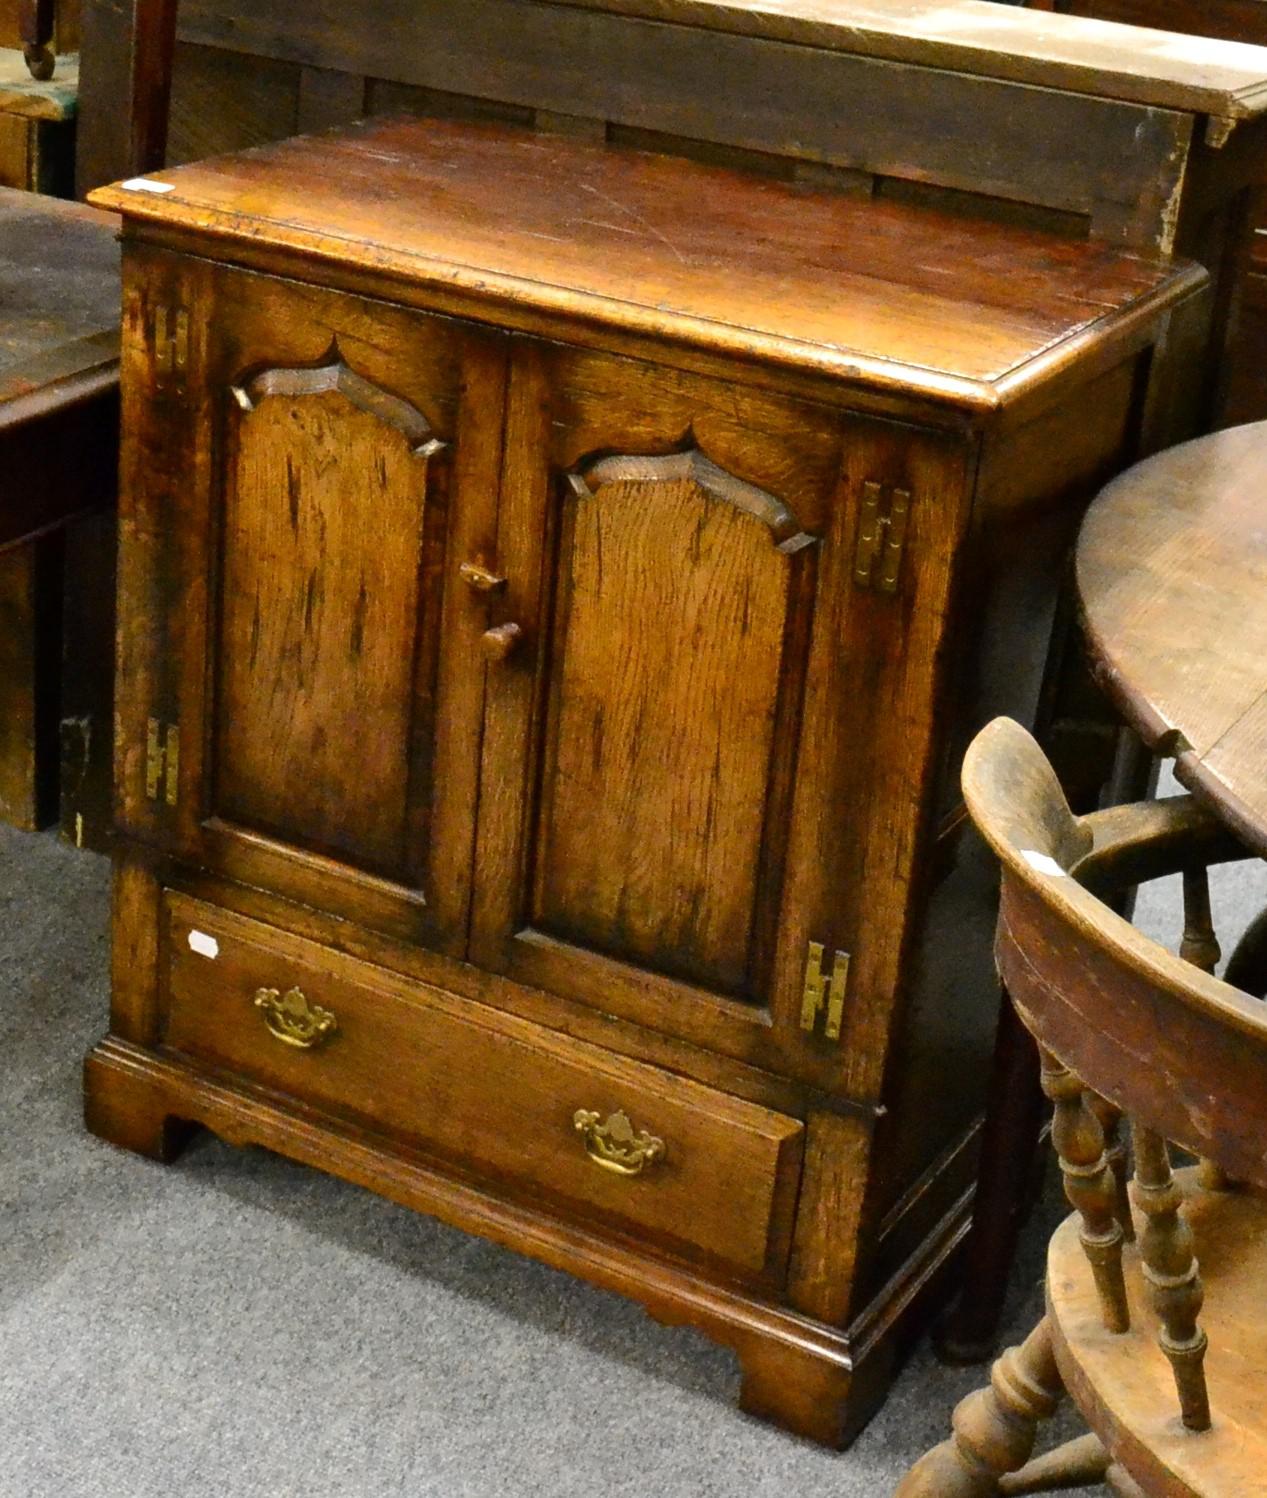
x,y
698,1173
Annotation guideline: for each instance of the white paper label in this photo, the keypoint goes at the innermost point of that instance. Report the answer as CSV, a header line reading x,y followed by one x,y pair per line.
x,y
204,945
1043,863
145,184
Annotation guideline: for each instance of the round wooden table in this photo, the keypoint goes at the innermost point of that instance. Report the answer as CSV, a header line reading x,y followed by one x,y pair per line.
x,y
1172,576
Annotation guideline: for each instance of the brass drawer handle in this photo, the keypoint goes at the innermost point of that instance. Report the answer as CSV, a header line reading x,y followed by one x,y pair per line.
x,y
293,1020
614,1145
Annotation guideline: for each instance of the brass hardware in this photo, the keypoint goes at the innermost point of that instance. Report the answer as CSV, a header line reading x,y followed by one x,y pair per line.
x,y
500,641
480,578
881,537
162,761
293,1020
614,1145
824,991
153,758
171,345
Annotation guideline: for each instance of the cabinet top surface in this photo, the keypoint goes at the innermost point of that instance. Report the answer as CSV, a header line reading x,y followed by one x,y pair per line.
x,y
876,292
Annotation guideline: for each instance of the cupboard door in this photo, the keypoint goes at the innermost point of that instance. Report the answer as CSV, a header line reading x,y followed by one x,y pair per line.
x,y
317,721
661,834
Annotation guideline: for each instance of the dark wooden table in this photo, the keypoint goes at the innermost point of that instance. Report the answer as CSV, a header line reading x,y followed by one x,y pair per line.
x,y
1172,575
59,422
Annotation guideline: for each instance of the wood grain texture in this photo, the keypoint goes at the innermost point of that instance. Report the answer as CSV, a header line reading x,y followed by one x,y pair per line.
x,y
224,102
1123,1384
59,280
30,674
1122,1024
648,841
1061,950
814,1379
1172,568
358,628
967,36
656,517
995,1427
900,294
125,92
687,85
59,353
1144,63
695,84
566,405
321,465
492,1092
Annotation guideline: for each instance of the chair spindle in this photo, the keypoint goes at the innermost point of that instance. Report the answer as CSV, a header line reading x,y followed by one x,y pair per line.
x,y
1090,1187
1170,1267
1200,946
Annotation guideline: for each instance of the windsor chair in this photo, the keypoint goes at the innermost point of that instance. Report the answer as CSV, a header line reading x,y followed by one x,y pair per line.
x,y
1162,1352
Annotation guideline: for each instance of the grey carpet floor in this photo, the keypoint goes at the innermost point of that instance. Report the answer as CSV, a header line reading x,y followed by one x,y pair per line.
x,y
236,1326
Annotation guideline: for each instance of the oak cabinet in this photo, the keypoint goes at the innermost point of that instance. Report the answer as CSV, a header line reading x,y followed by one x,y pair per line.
x,y
600,673
666,820
554,583
320,688
484,1089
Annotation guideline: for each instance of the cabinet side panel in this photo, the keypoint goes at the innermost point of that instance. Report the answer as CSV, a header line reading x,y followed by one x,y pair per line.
x,y
324,510
669,622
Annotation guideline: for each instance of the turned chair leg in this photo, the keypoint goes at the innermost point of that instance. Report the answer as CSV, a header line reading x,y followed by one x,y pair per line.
x,y
994,1428
1200,947
1170,1267
1122,1485
1090,1187
1080,1463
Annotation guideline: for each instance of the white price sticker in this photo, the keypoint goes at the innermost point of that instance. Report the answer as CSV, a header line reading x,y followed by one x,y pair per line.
x,y
204,945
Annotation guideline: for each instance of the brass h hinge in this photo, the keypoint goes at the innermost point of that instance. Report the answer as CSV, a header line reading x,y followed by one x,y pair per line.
x,y
171,346
824,992
881,537
162,761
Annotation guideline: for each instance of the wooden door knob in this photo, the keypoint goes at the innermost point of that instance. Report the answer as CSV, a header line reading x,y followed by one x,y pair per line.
x,y
500,641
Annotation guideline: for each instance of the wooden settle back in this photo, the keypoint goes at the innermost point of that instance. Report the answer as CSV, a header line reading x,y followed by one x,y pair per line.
x,y
1082,119
1121,134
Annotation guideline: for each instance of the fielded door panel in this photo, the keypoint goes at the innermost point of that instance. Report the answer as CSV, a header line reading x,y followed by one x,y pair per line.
x,y
679,783
307,467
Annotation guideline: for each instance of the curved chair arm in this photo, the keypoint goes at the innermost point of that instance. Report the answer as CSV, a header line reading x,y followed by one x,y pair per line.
x,y
1147,840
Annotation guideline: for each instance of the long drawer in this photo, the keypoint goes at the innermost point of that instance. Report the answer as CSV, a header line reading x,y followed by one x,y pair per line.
x,y
680,1166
